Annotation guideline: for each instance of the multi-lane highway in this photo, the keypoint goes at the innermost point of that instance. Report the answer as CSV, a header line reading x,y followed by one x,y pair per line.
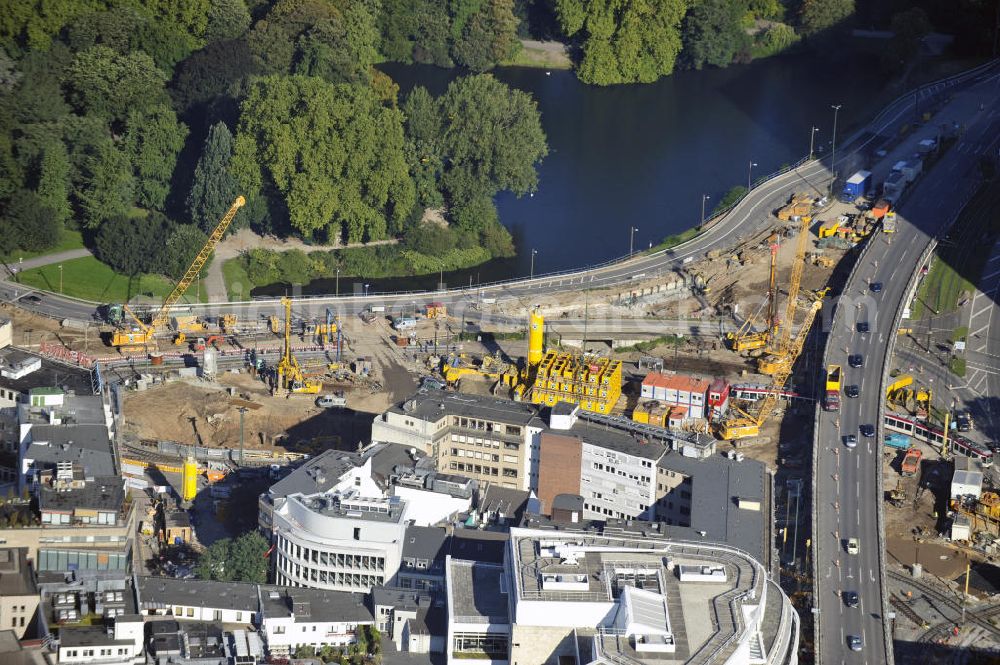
x,y
847,482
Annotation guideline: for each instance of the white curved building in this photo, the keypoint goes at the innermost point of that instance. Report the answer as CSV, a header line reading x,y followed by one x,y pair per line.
x,y
617,599
338,541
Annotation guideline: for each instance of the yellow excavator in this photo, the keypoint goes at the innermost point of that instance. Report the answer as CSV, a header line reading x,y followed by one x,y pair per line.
x,y
140,335
747,338
290,376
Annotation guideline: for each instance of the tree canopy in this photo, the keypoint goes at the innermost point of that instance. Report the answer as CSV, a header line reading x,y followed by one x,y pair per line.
x,y
333,152
239,560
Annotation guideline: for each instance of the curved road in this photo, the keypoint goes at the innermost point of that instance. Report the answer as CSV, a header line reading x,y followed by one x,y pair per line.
x,y
847,483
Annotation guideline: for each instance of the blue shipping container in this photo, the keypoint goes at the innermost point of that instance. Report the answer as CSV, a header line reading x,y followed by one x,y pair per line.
x,y
897,441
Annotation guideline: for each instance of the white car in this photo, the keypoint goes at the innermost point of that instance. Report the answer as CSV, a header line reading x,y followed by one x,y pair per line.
x,y
853,546
328,401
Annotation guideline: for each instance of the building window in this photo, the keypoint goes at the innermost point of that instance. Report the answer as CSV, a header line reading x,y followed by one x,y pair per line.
x,y
239,617
357,533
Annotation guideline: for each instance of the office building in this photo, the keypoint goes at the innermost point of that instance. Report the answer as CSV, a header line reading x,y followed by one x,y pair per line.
x,y
18,591
294,617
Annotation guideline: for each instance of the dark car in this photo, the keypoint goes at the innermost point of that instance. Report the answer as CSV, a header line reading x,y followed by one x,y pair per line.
x,y
31,298
876,287
851,440
862,326
963,422
868,430
852,391
854,642
851,598
856,360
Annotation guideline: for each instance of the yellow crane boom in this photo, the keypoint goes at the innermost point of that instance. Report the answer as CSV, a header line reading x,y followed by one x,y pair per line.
x,y
123,337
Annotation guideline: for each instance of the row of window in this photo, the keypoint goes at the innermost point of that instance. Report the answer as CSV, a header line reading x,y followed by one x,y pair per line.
x,y
482,470
82,539
486,426
63,560
89,653
102,518
216,614
330,559
304,577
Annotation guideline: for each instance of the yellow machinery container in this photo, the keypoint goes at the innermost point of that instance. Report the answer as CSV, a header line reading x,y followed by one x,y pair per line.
x,y
592,382
651,413
829,229
536,337
189,480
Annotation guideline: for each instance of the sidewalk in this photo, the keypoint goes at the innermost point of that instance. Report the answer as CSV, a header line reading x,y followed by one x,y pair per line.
x,y
49,259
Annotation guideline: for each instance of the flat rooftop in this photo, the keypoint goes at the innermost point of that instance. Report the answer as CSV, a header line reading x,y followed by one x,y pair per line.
x,y
389,510
432,405
50,375
106,494
476,593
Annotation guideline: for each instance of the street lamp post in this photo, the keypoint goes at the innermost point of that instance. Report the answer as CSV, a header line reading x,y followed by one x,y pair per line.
x,y
812,136
631,237
704,197
61,279
749,172
338,281
366,290
533,252
833,157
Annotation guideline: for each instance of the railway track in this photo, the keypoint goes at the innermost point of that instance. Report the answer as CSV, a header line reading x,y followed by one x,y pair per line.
x,y
978,616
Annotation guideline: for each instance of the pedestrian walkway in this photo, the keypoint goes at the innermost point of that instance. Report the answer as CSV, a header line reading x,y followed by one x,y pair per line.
x,y
49,259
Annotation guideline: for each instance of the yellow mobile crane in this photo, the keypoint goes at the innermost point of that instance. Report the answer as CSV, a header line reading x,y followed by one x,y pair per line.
x,y
144,335
779,353
746,338
290,375
744,424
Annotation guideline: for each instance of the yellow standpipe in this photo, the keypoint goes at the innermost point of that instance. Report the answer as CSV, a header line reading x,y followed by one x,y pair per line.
x,y
189,480
536,337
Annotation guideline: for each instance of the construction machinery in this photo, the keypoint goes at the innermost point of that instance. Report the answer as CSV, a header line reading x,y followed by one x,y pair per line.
x,y
289,372
143,335
911,462
800,206
901,397
778,355
746,423
747,338
831,398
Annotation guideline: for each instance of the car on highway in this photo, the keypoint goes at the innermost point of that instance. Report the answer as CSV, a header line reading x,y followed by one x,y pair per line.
x,y
851,598
863,326
868,431
851,440
852,391
853,546
856,360
855,643
876,287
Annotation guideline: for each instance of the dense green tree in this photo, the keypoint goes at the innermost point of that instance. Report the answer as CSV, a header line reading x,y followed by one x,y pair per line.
x,y
713,33
423,145
416,31
153,139
29,224
214,188
333,152
111,84
53,180
125,29
488,36
227,19
431,239
215,70
213,563
189,15
32,25
105,187
492,138
133,245
624,41
240,560
184,243
38,96
819,15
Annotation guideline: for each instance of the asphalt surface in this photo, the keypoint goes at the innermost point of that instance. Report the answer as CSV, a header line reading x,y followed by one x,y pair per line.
x,y
847,482
749,217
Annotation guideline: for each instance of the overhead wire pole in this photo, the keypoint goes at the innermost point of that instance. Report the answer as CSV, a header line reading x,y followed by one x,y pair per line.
x,y
833,157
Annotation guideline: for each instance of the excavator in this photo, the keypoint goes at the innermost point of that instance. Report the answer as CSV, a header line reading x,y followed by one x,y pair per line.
x,y
140,335
747,338
290,376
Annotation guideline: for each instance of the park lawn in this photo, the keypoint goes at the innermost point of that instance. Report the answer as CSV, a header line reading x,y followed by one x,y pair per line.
x,y
89,279
237,283
67,240
940,290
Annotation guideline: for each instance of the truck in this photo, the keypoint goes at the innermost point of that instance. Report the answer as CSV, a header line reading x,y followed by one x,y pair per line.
x,y
911,462
897,441
856,186
831,399
889,222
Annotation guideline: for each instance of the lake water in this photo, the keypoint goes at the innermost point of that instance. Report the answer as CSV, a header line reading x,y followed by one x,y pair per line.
x,y
643,155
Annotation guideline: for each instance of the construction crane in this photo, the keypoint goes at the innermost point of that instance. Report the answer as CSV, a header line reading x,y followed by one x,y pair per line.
x,y
778,350
290,375
747,338
744,424
144,334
